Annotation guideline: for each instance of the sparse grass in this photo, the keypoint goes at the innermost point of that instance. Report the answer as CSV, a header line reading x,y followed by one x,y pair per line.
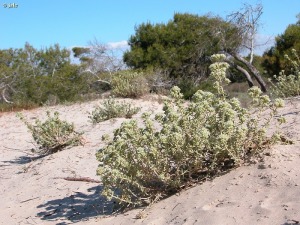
x,y
112,109
53,134
237,87
239,91
4,107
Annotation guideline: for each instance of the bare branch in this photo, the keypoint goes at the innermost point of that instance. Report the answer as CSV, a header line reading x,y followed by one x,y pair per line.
x,y
253,71
242,70
4,97
247,22
104,81
84,179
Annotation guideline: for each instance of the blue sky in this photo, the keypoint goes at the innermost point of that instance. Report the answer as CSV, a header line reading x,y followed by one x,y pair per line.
x,y
76,22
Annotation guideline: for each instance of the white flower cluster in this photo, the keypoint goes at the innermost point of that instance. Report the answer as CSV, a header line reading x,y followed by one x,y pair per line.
x,y
288,85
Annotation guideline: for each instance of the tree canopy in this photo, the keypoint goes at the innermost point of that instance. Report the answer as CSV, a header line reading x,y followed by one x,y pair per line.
x,y
274,60
34,76
182,46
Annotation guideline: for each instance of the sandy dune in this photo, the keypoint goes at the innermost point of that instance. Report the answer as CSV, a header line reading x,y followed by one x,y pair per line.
x,y
33,190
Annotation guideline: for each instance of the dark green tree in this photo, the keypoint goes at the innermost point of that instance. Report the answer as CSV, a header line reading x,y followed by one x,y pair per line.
x,y
182,46
31,76
273,59
52,59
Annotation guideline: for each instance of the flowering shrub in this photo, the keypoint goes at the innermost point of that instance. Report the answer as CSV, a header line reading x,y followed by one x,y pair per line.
x,y
289,85
143,164
112,109
52,135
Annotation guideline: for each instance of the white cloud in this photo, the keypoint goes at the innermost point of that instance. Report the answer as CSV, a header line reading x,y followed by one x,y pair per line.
x,y
119,45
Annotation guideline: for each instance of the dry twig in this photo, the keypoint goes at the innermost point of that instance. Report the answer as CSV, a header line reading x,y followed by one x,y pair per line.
x,y
84,179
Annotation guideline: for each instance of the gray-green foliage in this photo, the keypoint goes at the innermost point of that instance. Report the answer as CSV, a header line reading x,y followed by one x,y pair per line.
x,y
112,109
289,85
129,84
53,134
29,76
184,143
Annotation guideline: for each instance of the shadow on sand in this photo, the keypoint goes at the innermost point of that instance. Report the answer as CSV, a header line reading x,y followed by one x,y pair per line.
x,y
292,222
25,159
77,207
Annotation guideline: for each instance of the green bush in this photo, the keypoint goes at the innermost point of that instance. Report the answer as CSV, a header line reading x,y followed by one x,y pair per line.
x,y
188,87
288,85
53,134
184,144
129,84
112,109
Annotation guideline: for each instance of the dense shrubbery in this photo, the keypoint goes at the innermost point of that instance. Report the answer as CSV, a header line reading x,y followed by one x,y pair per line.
x,y
289,85
274,59
188,87
210,134
31,77
53,134
129,84
112,109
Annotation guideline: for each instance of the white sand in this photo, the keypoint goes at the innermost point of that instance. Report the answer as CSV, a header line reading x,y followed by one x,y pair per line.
x,y
32,192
